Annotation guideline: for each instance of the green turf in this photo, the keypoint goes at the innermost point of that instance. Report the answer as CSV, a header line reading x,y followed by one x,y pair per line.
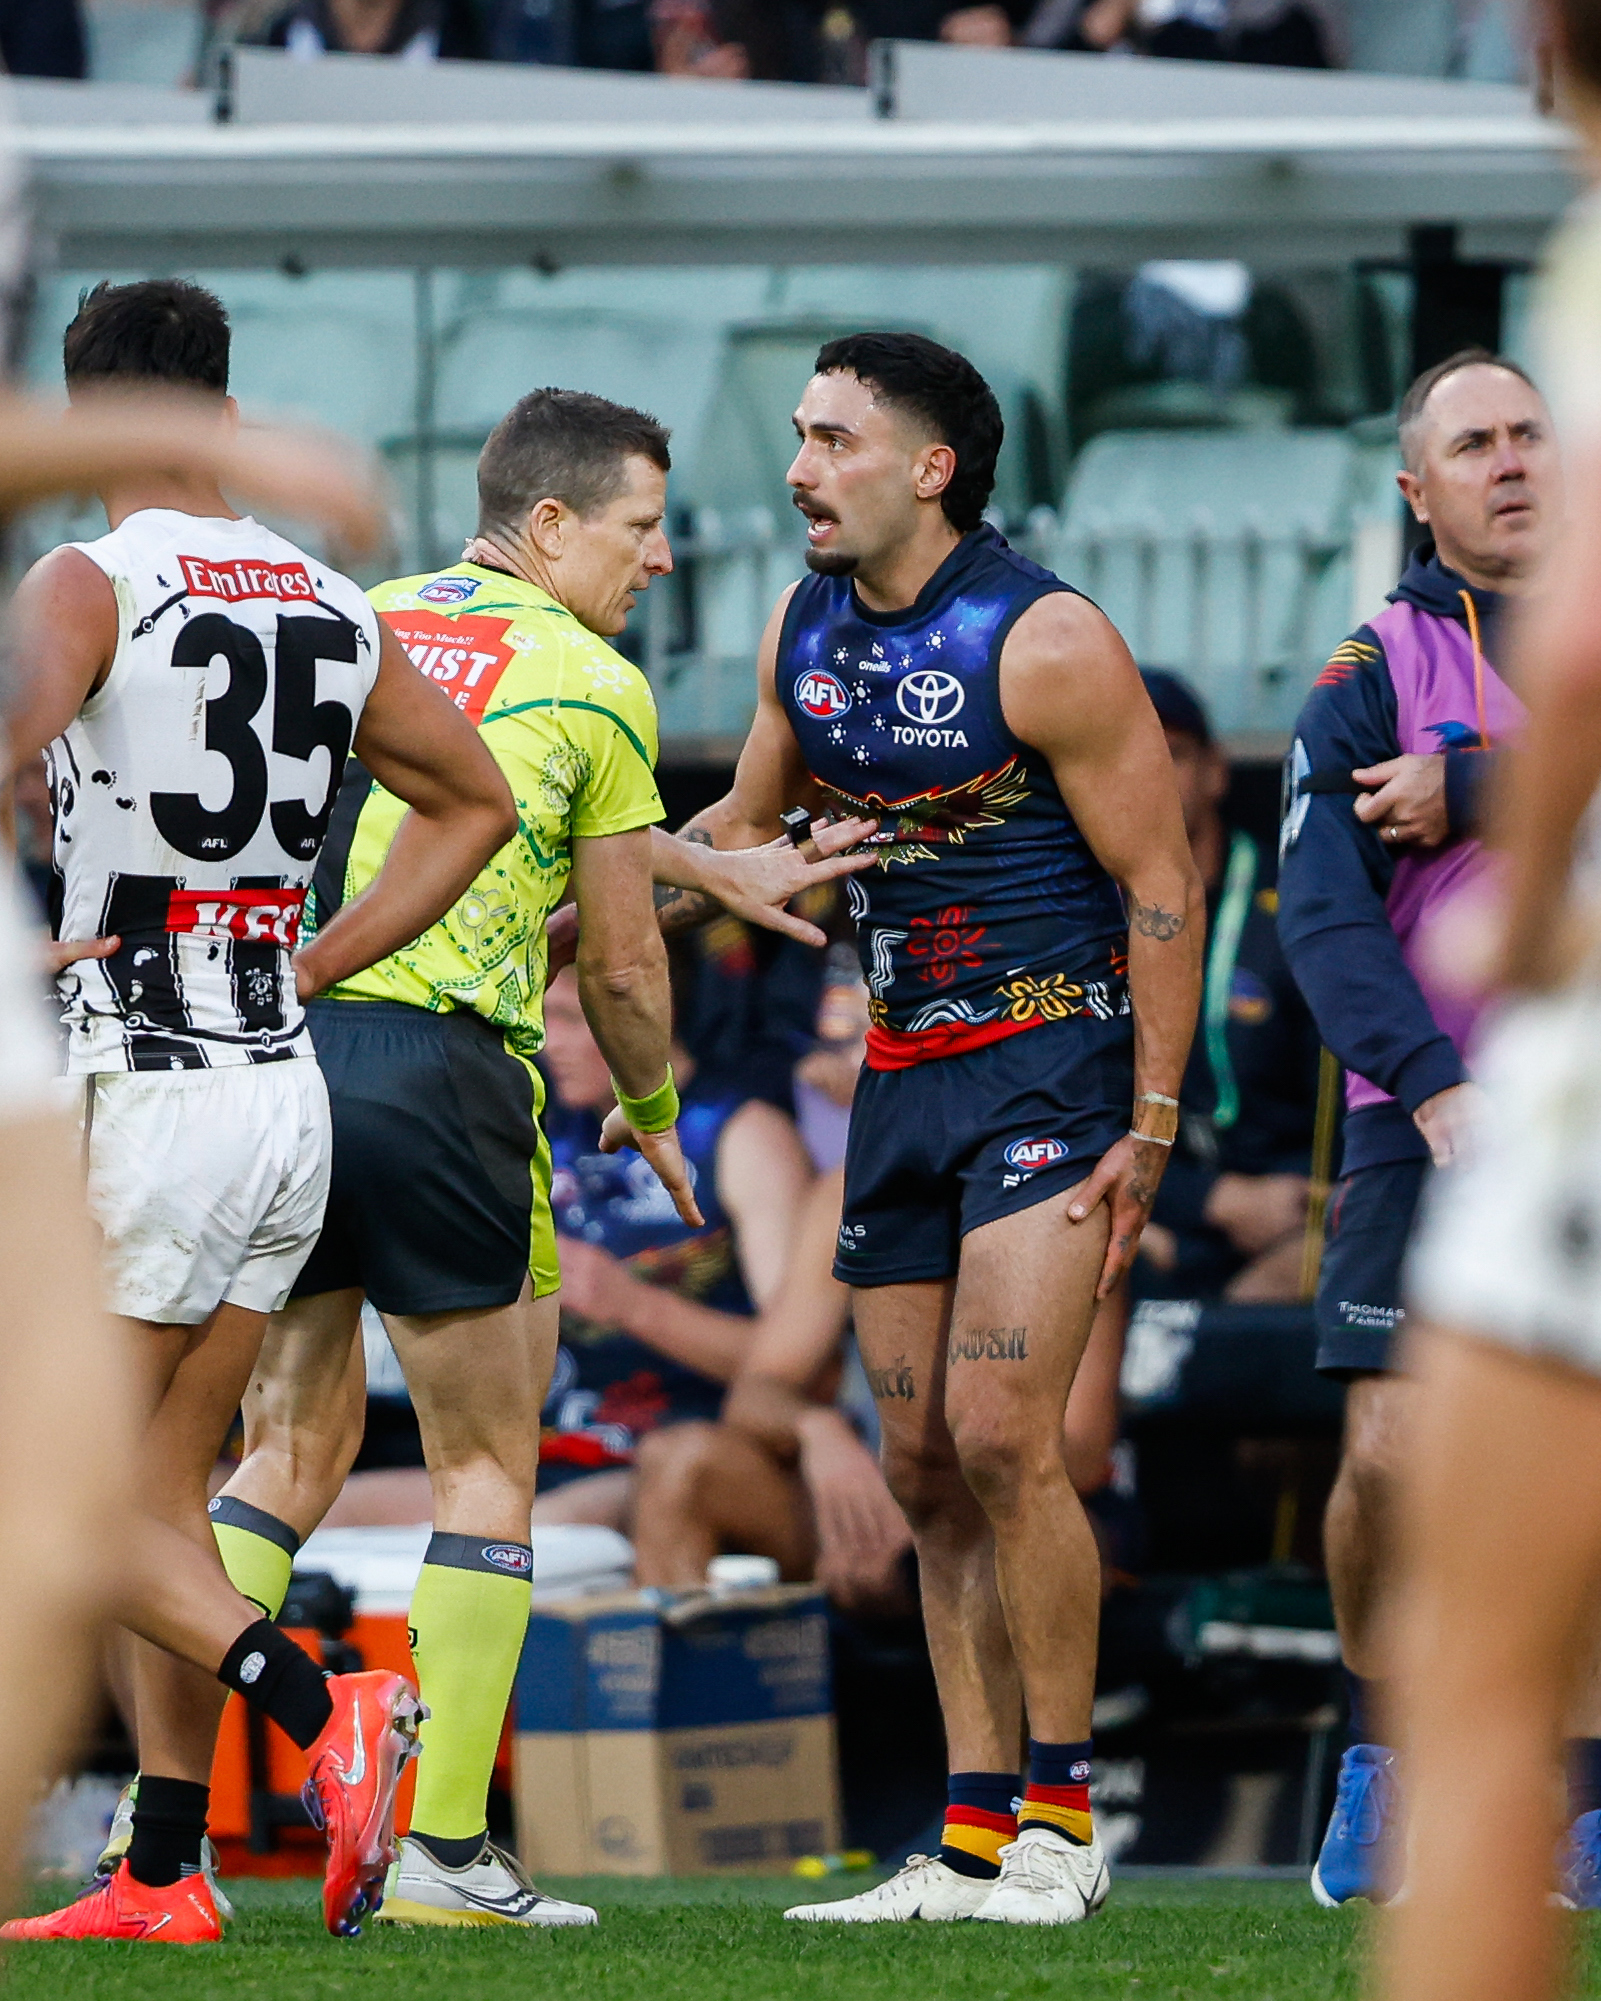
x,y
1158,1940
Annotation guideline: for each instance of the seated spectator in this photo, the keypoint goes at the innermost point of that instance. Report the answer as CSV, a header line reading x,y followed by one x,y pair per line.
x,y
571,34
417,31
655,1316
1231,1213
1291,34
43,38
811,41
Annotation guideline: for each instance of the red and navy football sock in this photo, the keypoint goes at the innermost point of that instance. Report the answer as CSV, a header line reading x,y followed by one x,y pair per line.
x,y
1057,1795
979,1821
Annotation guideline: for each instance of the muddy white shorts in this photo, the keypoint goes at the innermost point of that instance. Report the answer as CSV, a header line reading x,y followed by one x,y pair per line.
x,y
208,1184
1510,1247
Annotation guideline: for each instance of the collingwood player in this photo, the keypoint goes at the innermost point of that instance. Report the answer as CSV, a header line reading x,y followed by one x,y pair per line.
x,y
1031,940
199,681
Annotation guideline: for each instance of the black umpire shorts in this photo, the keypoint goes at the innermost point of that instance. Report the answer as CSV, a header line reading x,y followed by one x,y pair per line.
x,y
439,1200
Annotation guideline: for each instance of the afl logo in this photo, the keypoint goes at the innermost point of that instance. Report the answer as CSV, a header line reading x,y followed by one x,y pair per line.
x,y
822,696
509,1556
929,696
1029,1154
449,590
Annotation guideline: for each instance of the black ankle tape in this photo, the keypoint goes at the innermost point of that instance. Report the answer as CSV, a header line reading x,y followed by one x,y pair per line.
x,y
275,1676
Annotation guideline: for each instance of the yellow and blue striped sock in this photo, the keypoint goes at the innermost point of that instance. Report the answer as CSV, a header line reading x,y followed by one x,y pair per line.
x,y
1057,1795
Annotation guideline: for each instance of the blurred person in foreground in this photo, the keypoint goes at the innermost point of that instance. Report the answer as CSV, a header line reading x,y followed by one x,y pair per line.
x,y
1230,1215
67,1397
656,1313
1382,790
1503,1505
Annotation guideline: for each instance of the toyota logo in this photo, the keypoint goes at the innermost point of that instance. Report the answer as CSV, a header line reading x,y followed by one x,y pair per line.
x,y
930,696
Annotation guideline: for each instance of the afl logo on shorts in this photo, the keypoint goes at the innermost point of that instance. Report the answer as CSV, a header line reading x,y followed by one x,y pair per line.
x,y
929,696
822,696
448,590
1031,1154
509,1556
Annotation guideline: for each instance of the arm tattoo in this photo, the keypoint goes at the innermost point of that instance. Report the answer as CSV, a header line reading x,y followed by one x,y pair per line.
x,y
680,909
1150,920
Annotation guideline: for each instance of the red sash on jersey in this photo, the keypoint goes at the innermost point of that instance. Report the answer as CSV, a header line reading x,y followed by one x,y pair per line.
x,y
255,916
899,1049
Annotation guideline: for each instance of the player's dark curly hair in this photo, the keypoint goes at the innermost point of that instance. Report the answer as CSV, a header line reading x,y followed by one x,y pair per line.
x,y
947,392
562,444
157,330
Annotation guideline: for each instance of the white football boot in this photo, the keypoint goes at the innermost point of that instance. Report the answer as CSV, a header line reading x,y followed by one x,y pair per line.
x,y
492,1890
925,1888
1045,1880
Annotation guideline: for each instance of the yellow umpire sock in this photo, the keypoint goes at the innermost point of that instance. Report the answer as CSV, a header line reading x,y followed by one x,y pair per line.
x,y
469,1616
257,1550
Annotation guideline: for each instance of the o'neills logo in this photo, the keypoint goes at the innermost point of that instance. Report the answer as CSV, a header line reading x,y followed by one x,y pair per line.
x,y
255,916
242,578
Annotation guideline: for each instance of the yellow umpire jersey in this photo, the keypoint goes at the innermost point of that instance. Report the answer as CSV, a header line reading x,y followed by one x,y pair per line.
x,y
572,725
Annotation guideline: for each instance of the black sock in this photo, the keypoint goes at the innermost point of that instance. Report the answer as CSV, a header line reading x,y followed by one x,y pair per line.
x,y
452,1854
169,1824
280,1679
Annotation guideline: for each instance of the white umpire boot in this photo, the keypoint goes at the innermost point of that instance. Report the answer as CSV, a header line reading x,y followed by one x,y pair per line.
x,y
492,1890
925,1888
1045,1880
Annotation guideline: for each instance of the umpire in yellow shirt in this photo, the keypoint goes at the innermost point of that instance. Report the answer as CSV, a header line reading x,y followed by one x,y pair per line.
x,y
439,1209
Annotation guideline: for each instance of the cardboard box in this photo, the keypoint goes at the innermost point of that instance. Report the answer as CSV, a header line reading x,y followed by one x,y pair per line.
x,y
687,1739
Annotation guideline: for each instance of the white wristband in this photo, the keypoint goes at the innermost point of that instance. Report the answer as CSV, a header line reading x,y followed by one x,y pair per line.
x,y
1150,1139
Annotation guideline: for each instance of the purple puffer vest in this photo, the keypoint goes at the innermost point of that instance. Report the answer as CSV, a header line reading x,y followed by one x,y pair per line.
x,y
1431,665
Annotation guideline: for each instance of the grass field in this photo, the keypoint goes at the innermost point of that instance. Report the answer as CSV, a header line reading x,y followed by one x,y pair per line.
x,y
1158,1940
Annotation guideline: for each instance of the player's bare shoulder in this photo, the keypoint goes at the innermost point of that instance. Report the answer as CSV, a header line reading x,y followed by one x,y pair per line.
x,y
1063,662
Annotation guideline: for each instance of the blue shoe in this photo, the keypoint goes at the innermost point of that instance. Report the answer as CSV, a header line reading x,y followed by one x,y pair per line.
x,y
1581,1865
1353,1861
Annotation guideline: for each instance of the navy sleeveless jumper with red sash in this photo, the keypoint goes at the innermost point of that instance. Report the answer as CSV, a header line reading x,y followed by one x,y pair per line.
x,y
987,917
987,914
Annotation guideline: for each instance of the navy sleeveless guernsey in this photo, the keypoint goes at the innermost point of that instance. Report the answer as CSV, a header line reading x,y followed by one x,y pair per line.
x,y
987,914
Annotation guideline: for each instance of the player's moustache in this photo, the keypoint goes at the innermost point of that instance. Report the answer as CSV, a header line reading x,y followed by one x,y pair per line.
x,y
811,509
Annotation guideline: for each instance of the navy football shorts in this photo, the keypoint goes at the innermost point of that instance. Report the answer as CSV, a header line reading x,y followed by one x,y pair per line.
x,y
945,1146
1359,1293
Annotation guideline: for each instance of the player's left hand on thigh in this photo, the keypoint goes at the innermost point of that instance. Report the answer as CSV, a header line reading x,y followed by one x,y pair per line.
x,y
664,1154
1126,1179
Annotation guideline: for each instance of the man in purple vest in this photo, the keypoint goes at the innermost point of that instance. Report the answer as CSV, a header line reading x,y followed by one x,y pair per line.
x,y
1411,703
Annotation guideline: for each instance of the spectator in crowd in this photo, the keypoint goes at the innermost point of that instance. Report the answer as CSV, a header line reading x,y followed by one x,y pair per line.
x,y
43,38
1292,34
656,1316
418,31
573,34
1231,1212
748,997
814,41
